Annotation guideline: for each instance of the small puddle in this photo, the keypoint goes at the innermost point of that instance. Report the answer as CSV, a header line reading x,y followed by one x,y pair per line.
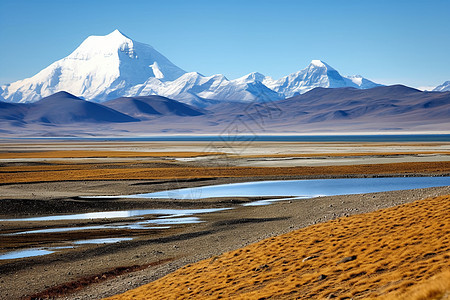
x,y
109,226
49,250
142,225
172,221
271,201
120,214
102,241
30,252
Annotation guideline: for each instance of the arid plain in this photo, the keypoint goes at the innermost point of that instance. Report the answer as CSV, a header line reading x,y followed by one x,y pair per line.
x,y
41,178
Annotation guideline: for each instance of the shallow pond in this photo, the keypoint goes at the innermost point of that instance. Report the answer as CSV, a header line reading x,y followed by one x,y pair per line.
x,y
300,188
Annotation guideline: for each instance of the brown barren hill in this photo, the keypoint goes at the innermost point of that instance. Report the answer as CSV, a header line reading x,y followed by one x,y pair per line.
x,y
386,253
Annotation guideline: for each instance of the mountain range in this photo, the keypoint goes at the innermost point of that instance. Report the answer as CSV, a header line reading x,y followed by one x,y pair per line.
x,y
107,67
114,86
382,109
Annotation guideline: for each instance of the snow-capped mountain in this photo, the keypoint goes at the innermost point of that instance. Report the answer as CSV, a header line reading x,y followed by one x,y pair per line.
x,y
445,87
101,68
1,93
106,67
317,74
196,89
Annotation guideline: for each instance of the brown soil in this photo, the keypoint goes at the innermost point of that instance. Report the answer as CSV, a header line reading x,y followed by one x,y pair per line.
x,y
79,284
361,256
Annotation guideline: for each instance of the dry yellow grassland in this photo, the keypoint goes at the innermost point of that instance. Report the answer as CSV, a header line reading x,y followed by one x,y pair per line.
x,y
387,253
154,170
98,154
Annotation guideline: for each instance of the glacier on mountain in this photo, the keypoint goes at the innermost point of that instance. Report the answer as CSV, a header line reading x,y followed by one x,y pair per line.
x,y
106,67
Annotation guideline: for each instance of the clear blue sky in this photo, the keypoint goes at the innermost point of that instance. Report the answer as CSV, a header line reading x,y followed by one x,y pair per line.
x,y
389,42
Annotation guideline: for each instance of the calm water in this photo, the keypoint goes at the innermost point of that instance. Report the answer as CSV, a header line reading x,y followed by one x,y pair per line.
x,y
300,188
102,241
164,213
271,138
49,250
30,252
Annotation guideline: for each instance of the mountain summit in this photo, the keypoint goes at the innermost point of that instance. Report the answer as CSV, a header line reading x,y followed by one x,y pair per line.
x,y
111,66
445,87
316,74
132,61
101,68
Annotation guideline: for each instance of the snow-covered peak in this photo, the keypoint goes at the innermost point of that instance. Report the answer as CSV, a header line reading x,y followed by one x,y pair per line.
x,y
196,89
317,74
107,45
101,68
136,60
191,77
252,77
318,70
315,63
445,87
117,32
360,82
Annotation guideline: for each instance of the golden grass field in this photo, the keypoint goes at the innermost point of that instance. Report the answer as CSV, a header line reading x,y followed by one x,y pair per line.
x,y
99,154
390,253
153,170
149,165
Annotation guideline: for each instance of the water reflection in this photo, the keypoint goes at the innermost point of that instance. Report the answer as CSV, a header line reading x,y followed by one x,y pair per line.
x,y
140,225
120,214
30,252
102,241
165,218
135,226
300,188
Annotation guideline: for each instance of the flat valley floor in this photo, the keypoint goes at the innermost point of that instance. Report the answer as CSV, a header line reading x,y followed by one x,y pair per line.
x,y
41,178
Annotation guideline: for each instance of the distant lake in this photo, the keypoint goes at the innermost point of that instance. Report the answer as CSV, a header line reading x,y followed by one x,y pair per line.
x,y
266,138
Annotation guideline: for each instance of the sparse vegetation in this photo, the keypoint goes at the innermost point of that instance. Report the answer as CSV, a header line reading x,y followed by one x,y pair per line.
x,y
436,288
150,165
393,252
